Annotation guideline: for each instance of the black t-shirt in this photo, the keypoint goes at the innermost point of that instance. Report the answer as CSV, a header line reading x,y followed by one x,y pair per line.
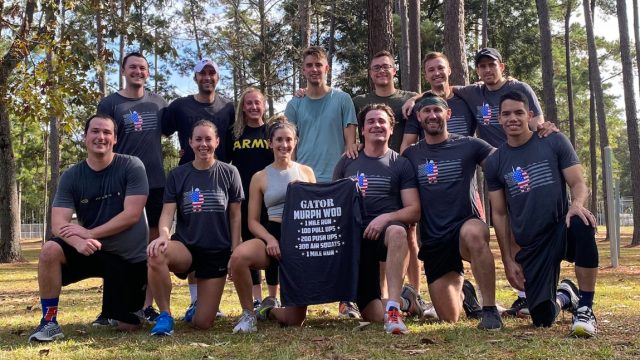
x,y
320,243
251,153
139,130
202,198
380,180
183,112
462,121
535,189
444,172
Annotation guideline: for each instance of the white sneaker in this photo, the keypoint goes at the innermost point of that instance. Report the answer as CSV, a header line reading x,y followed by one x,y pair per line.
x,y
584,323
247,323
393,322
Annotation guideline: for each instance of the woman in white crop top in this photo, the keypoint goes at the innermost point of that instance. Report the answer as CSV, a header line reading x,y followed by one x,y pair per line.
x,y
268,186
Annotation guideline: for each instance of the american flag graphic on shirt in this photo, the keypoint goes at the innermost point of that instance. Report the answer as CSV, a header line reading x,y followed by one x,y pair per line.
x,y
197,200
431,169
523,179
136,119
486,114
363,182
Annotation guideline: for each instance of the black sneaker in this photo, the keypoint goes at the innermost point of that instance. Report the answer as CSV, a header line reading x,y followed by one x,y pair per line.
x,y
519,308
150,313
490,320
567,286
470,304
101,321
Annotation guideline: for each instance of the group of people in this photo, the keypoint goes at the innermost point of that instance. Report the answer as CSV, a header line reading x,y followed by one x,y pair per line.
x,y
416,160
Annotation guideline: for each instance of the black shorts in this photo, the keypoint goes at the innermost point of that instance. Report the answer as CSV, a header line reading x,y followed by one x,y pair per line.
x,y
271,273
125,283
443,255
153,207
207,263
372,252
541,263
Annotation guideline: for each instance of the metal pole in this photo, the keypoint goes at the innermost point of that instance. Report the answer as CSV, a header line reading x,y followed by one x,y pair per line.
x,y
611,223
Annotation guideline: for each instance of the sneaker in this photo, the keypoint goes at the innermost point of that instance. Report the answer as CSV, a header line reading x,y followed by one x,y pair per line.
x,y
247,323
48,331
571,289
220,314
262,312
519,308
256,304
490,320
430,312
101,321
163,326
412,300
348,309
191,310
584,323
393,322
470,304
150,313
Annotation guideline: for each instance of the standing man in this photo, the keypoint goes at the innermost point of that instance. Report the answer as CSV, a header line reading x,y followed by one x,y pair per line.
x,y
183,112
391,203
535,226
107,191
180,116
451,232
138,114
326,122
325,118
382,71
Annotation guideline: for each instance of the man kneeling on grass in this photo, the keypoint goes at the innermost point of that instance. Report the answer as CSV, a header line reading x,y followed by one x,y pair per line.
x,y
391,202
527,180
108,192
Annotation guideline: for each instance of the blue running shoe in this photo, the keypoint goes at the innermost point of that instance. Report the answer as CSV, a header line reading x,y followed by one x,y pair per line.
x,y
164,325
191,310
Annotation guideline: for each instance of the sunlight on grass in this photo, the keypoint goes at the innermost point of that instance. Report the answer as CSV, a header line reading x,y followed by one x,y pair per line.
x,y
324,335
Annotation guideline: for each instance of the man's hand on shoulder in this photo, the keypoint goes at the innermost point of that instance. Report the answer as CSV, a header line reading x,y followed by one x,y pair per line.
x,y
351,150
546,128
300,93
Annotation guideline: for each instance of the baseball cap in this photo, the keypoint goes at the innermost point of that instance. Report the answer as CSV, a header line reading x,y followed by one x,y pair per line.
x,y
204,62
488,52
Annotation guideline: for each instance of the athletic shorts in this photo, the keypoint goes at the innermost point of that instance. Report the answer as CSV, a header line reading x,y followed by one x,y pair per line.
x,y
541,262
442,256
372,252
124,286
207,263
272,272
153,207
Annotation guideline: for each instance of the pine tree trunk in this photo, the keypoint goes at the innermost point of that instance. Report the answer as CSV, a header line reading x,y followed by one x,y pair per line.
x,y
413,11
401,10
454,45
549,92
567,55
630,111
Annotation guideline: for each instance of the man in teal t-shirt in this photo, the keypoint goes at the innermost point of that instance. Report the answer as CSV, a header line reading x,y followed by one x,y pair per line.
x,y
325,117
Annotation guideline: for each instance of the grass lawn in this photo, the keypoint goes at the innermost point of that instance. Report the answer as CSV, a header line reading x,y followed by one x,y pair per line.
x,y
324,335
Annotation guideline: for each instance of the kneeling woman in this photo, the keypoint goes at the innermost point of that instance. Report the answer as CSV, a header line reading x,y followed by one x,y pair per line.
x,y
207,195
268,185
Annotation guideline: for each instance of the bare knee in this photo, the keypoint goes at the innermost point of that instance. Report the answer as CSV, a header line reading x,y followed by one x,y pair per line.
x,y
201,324
51,254
396,237
157,262
239,259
